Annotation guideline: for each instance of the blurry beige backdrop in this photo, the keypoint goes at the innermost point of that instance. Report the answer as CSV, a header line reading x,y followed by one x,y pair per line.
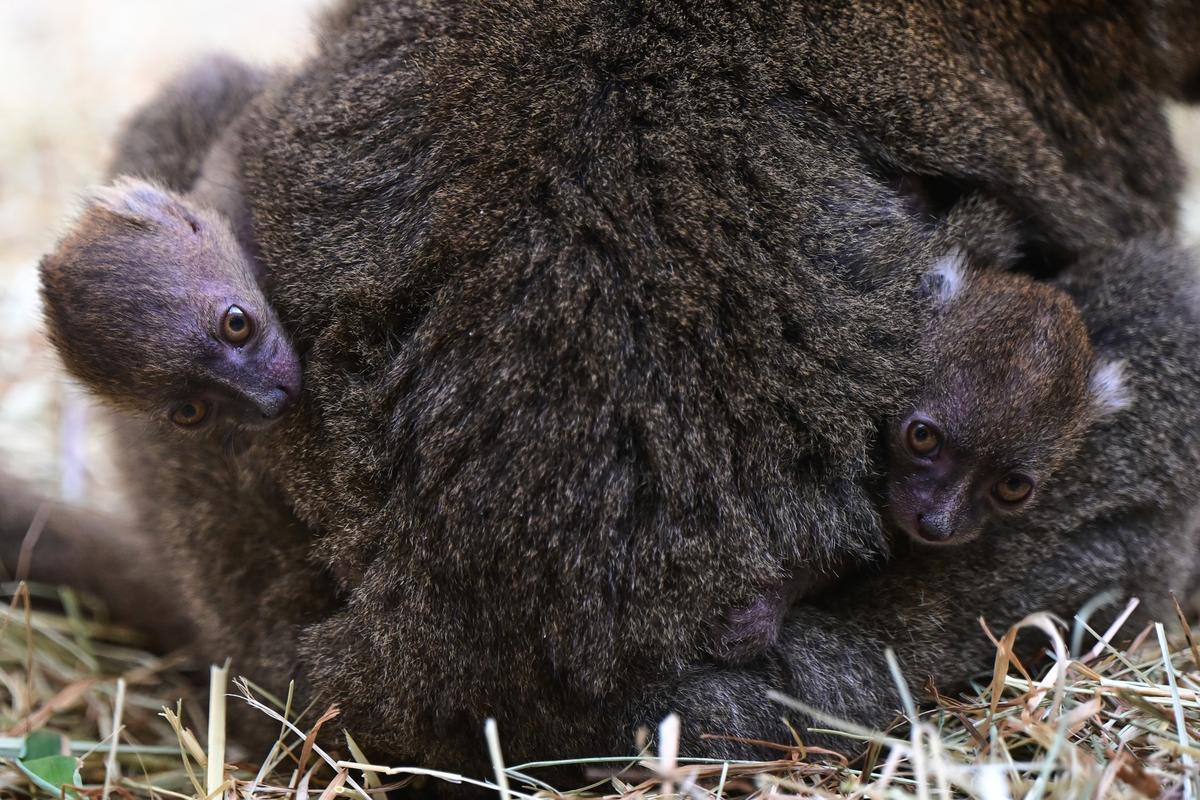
x,y
70,70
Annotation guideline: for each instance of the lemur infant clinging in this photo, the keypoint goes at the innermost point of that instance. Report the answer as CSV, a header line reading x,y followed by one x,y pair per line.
x,y
1013,386
154,305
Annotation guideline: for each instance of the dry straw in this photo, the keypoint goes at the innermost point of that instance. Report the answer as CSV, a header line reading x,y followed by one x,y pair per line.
x,y
1119,720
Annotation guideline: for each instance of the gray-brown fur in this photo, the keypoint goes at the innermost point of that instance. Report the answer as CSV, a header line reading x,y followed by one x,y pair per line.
x,y
1011,385
169,139
1122,519
599,305
186,140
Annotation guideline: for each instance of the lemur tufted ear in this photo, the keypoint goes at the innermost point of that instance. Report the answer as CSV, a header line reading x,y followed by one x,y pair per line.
x,y
945,278
1109,389
141,202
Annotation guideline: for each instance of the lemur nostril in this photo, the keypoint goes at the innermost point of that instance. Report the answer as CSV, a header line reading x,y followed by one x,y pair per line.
x,y
933,527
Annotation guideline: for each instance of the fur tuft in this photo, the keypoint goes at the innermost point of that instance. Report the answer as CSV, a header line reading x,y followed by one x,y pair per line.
x,y
1110,391
133,199
946,277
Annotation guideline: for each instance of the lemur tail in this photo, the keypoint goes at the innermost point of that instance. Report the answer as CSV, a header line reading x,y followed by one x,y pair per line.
x,y
50,542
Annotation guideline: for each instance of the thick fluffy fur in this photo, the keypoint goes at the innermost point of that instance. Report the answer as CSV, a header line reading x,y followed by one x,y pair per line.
x,y
600,305
1123,518
1012,386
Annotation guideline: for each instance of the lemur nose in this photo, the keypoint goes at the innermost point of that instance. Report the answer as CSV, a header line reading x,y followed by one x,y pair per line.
x,y
933,527
273,403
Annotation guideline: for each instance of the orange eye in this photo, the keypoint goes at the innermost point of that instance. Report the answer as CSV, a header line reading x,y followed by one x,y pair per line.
x,y
191,413
235,325
1013,488
922,438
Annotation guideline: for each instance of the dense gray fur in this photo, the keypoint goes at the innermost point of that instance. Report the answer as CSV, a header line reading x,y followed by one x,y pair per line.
x,y
600,305
1121,519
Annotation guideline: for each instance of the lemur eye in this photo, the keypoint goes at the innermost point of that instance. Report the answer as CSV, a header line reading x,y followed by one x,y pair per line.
x,y
235,325
1013,488
190,413
922,438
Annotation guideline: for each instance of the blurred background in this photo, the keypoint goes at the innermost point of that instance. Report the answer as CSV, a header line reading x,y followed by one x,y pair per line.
x,y
70,70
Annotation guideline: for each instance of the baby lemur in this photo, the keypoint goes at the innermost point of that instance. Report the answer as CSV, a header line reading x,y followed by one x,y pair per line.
x,y
1014,385
155,305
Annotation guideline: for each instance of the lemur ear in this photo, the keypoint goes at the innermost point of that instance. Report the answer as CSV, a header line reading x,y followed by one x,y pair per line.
x,y
1109,389
945,278
141,202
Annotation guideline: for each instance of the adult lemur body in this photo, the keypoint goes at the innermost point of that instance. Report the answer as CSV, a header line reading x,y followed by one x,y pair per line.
x,y
599,306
